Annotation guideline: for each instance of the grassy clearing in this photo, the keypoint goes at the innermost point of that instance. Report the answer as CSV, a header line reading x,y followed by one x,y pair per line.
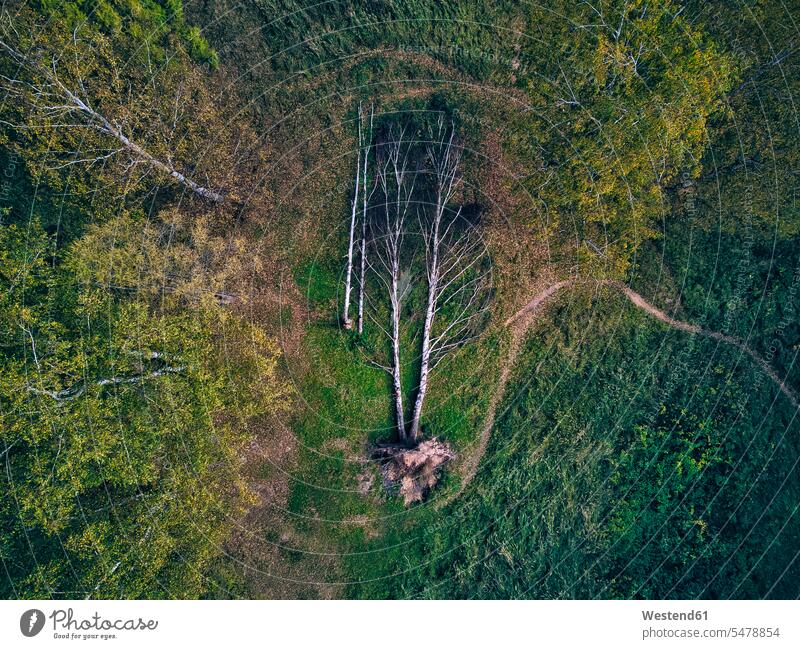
x,y
346,405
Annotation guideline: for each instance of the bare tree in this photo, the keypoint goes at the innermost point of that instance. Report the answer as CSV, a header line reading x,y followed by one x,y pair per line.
x,y
455,267
72,106
363,271
348,278
363,250
456,263
396,179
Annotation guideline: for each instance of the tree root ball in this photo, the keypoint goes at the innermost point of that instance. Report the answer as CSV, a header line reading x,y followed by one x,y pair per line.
x,y
416,470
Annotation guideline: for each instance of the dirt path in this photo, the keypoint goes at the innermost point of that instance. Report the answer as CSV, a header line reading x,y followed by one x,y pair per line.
x,y
522,320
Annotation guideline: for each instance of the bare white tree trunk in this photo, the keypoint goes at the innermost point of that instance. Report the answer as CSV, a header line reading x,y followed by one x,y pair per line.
x,y
348,279
363,250
424,369
67,394
396,365
452,257
59,100
397,183
362,276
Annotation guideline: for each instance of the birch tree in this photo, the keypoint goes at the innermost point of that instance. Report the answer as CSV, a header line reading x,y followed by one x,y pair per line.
x,y
456,266
396,179
364,224
70,106
348,276
86,119
362,276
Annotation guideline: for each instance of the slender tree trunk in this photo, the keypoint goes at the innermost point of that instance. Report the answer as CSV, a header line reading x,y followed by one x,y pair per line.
x,y
348,324
161,166
425,363
363,250
74,392
430,312
396,377
398,190
362,275
423,375
138,151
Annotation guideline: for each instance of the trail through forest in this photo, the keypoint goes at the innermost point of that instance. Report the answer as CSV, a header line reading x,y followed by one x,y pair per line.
x,y
522,320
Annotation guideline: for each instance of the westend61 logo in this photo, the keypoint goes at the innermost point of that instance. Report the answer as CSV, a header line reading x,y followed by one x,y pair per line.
x,y
66,625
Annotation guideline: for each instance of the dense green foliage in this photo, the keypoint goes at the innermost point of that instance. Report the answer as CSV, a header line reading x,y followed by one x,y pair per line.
x,y
110,424
655,143
153,25
126,388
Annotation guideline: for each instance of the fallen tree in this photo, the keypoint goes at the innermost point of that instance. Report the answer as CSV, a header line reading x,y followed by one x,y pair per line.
x,y
53,90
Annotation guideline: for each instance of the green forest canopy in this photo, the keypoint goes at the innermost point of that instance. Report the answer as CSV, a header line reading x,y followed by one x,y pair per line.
x,y
653,143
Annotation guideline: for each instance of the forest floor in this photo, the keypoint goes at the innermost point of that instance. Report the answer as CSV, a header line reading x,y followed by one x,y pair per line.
x,y
519,324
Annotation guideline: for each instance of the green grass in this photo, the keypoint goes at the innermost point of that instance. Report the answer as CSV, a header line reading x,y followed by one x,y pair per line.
x,y
346,404
627,459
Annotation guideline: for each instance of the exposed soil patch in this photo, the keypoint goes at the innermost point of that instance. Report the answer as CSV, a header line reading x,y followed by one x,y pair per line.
x,y
271,558
415,470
